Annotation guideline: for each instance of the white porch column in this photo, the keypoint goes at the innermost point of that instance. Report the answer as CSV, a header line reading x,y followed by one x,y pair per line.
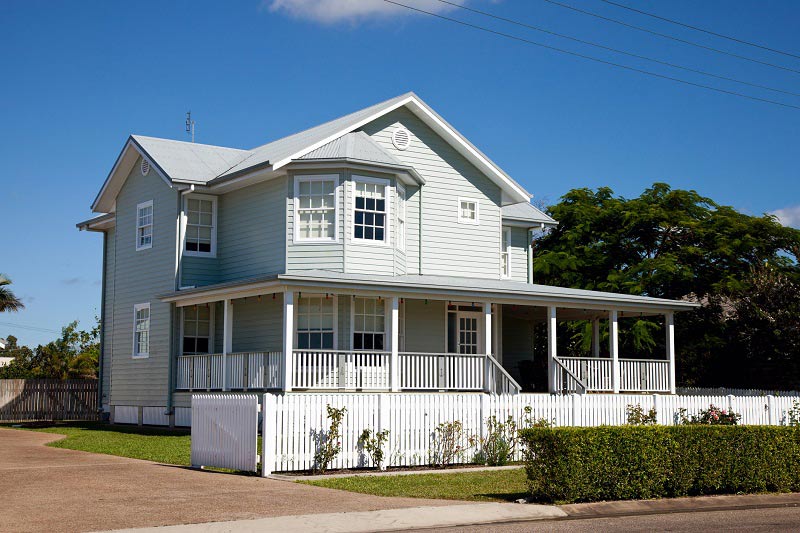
x,y
552,351
288,338
613,348
394,325
595,337
669,322
227,339
487,345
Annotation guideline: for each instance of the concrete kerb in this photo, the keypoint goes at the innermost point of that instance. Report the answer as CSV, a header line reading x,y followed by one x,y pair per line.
x,y
383,520
382,473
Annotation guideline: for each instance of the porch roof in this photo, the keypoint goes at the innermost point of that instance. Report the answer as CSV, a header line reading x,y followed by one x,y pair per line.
x,y
430,287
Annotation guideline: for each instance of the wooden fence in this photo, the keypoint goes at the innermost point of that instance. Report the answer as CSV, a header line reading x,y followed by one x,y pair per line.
x,y
48,399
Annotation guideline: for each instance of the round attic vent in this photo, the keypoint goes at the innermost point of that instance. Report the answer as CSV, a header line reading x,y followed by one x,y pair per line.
x,y
401,138
145,167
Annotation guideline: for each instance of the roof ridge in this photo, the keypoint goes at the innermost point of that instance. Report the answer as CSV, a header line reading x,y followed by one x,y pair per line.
x,y
137,136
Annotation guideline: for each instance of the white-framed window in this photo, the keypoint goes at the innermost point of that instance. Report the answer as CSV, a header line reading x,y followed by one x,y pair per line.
x,y
316,198
505,251
316,322
468,211
197,329
200,236
141,330
401,217
144,225
369,324
370,209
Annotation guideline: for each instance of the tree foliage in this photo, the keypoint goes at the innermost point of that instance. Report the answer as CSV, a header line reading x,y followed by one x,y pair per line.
x,y
75,354
8,301
678,244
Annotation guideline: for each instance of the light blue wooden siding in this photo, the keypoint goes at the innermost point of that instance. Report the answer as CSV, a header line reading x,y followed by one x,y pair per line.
x,y
412,235
258,325
449,248
139,278
312,256
425,326
518,254
344,307
250,241
109,238
199,271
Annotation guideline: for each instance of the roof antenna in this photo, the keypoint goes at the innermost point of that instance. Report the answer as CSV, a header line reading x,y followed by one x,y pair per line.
x,y
190,124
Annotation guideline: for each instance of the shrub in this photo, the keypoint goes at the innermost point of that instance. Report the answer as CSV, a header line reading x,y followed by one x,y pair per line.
x,y
793,414
636,416
447,443
620,463
716,417
329,444
373,442
500,442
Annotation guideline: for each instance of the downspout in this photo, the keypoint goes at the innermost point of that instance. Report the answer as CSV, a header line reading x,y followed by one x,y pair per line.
x,y
172,311
102,323
419,247
530,251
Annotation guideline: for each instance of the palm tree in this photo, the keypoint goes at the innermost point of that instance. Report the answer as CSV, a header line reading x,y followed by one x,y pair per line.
x,y
8,302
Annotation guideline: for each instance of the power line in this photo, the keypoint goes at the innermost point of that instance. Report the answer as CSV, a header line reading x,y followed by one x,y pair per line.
x,y
30,328
665,36
715,34
591,58
617,50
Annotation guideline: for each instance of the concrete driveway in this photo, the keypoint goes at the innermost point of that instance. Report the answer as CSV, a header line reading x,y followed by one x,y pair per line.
x,y
51,489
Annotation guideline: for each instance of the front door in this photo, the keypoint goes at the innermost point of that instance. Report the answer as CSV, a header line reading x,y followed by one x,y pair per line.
x,y
465,331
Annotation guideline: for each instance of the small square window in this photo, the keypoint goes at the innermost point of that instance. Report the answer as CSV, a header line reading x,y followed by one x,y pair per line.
x,y
467,211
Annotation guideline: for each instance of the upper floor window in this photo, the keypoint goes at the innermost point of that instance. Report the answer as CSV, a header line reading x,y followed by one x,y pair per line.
x,y
505,250
201,230
316,319
401,217
144,225
369,328
196,329
370,209
315,211
141,330
467,211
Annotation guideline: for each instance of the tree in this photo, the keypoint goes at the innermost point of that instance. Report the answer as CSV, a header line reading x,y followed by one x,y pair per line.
x,y
75,354
8,302
670,244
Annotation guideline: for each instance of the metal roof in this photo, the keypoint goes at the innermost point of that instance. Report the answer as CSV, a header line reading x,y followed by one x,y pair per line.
x,y
189,162
422,286
525,212
356,146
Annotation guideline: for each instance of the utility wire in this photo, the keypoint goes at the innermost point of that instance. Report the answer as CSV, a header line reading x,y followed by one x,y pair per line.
x,y
31,328
591,58
670,37
715,34
617,50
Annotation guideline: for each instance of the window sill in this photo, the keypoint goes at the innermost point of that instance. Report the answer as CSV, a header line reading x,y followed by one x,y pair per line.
x,y
141,356
209,255
140,248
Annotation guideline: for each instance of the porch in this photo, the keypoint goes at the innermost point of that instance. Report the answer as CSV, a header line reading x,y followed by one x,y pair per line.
x,y
326,338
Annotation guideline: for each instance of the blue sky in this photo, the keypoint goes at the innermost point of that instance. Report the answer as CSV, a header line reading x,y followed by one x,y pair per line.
x,y
79,77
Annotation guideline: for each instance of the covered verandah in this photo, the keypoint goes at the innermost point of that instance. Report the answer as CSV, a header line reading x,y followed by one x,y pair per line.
x,y
331,331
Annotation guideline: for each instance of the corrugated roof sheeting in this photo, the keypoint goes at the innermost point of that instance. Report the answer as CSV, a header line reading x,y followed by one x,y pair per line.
x,y
525,211
357,145
190,162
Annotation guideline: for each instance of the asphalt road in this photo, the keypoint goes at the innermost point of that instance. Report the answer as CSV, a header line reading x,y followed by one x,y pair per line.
x,y
756,520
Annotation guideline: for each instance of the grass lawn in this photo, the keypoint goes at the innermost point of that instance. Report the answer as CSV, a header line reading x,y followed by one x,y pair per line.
x,y
163,446
499,485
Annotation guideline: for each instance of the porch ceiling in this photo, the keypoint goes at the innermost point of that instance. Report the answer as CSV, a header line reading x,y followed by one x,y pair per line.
x,y
575,303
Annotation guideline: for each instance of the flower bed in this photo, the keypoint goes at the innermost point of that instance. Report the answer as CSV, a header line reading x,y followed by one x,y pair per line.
x,y
620,463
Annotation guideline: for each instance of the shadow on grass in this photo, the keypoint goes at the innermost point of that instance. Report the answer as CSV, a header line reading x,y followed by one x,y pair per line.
x,y
99,426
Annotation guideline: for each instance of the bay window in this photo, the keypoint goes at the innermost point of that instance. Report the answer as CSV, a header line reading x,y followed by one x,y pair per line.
x,y
370,209
315,208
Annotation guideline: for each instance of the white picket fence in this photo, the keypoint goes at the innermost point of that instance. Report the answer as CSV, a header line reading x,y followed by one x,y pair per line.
x,y
225,431
294,424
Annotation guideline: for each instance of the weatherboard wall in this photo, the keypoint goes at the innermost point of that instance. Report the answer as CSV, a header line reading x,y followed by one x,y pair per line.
x,y
448,247
139,276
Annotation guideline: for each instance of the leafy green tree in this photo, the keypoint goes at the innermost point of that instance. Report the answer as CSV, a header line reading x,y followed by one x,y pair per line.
x,y
75,354
669,244
8,302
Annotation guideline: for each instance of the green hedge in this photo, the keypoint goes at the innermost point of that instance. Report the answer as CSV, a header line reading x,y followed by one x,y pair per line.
x,y
621,463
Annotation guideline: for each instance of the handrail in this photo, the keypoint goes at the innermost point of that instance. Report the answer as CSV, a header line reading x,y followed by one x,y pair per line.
x,y
505,373
581,385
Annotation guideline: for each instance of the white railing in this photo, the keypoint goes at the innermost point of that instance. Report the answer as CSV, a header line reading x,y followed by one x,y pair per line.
x,y
646,375
500,381
335,369
635,375
442,371
565,379
245,371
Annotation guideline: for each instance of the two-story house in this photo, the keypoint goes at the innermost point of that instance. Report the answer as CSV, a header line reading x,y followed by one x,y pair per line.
x,y
379,251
